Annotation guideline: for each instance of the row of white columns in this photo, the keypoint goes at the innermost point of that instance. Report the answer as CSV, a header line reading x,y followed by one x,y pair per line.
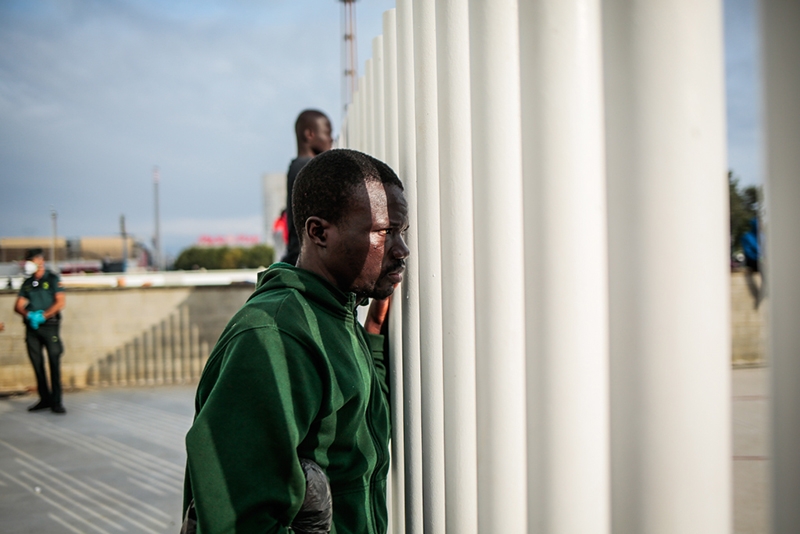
x,y
565,314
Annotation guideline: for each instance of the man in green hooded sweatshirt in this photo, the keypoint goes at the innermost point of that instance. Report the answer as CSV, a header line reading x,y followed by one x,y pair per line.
x,y
294,377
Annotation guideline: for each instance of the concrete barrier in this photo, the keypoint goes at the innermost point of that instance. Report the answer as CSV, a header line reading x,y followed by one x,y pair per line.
x,y
162,335
120,336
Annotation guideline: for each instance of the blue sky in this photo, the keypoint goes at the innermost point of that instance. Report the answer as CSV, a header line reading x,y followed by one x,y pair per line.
x,y
94,93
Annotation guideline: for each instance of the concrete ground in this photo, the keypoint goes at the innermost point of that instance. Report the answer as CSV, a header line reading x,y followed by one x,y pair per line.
x,y
114,462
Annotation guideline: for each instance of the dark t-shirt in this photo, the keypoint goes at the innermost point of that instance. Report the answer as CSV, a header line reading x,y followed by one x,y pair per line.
x,y
293,248
41,293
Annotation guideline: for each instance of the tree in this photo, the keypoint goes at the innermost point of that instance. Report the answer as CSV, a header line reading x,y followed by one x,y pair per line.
x,y
225,257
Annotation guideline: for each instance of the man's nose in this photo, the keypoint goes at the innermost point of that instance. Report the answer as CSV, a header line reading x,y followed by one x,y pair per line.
x,y
400,249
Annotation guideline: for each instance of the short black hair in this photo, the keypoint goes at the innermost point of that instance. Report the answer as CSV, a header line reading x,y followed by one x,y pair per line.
x,y
306,119
324,187
32,253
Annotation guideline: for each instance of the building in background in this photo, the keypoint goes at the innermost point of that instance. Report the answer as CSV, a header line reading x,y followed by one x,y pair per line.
x,y
80,254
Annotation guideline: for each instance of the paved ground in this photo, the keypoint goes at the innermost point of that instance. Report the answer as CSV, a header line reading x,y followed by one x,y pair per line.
x,y
750,451
114,462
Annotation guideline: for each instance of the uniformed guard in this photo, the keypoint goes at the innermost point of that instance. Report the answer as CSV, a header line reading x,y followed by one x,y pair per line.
x,y
40,301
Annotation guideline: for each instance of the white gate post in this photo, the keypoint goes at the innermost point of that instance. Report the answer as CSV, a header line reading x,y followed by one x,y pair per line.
x,y
430,265
566,266
781,38
458,280
669,267
499,272
396,315
411,328
378,100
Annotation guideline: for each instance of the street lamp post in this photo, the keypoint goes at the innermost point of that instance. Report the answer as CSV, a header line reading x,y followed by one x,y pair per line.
x,y
54,218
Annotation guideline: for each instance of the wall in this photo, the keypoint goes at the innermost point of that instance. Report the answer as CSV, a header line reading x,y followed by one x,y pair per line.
x,y
125,335
100,325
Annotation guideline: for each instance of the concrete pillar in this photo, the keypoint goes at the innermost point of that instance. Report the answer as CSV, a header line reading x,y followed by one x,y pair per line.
x,y
391,157
369,109
430,265
499,295
668,266
378,100
354,123
781,44
566,266
458,286
407,166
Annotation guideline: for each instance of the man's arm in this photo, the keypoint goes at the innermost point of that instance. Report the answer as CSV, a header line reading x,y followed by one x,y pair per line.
x,y
376,323
59,304
20,306
258,403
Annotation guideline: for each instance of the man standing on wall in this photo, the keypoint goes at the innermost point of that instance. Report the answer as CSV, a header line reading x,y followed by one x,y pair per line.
x,y
294,378
313,131
40,301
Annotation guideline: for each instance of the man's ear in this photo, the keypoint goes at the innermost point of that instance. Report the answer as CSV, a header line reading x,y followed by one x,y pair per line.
x,y
308,134
317,231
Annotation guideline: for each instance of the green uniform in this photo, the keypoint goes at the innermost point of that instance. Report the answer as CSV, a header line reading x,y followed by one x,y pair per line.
x,y
41,294
293,375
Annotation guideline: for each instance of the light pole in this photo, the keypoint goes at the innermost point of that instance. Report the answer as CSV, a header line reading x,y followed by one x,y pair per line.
x,y
124,243
54,218
157,238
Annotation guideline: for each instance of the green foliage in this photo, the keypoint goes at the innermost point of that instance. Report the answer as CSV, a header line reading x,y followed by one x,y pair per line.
x,y
225,257
744,204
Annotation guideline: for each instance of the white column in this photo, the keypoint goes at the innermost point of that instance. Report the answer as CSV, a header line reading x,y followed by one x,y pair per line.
x,y
390,86
411,328
669,267
391,156
369,109
378,100
566,259
430,265
363,114
458,286
499,274
781,39
354,124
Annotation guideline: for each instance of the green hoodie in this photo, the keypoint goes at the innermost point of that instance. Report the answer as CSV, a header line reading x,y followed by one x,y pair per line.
x,y
293,375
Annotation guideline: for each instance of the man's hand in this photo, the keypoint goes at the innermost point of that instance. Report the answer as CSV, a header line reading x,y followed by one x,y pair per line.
x,y
375,322
36,319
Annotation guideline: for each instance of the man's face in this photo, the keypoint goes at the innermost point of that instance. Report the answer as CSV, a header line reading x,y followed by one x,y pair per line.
x,y
320,140
368,249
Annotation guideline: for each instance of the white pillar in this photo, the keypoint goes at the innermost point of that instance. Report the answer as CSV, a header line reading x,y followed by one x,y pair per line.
x,y
781,38
430,265
411,328
378,100
430,268
458,286
397,521
669,267
390,86
499,274
369,109
566,259
363,114
354,124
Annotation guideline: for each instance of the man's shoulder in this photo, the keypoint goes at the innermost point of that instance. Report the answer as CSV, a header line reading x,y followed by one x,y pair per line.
x,y
297,164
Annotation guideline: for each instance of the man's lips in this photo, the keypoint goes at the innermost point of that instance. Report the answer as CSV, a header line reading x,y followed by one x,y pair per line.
x,y
396,274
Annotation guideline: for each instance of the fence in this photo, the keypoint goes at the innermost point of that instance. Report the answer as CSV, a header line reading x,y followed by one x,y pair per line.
x,y
565,315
